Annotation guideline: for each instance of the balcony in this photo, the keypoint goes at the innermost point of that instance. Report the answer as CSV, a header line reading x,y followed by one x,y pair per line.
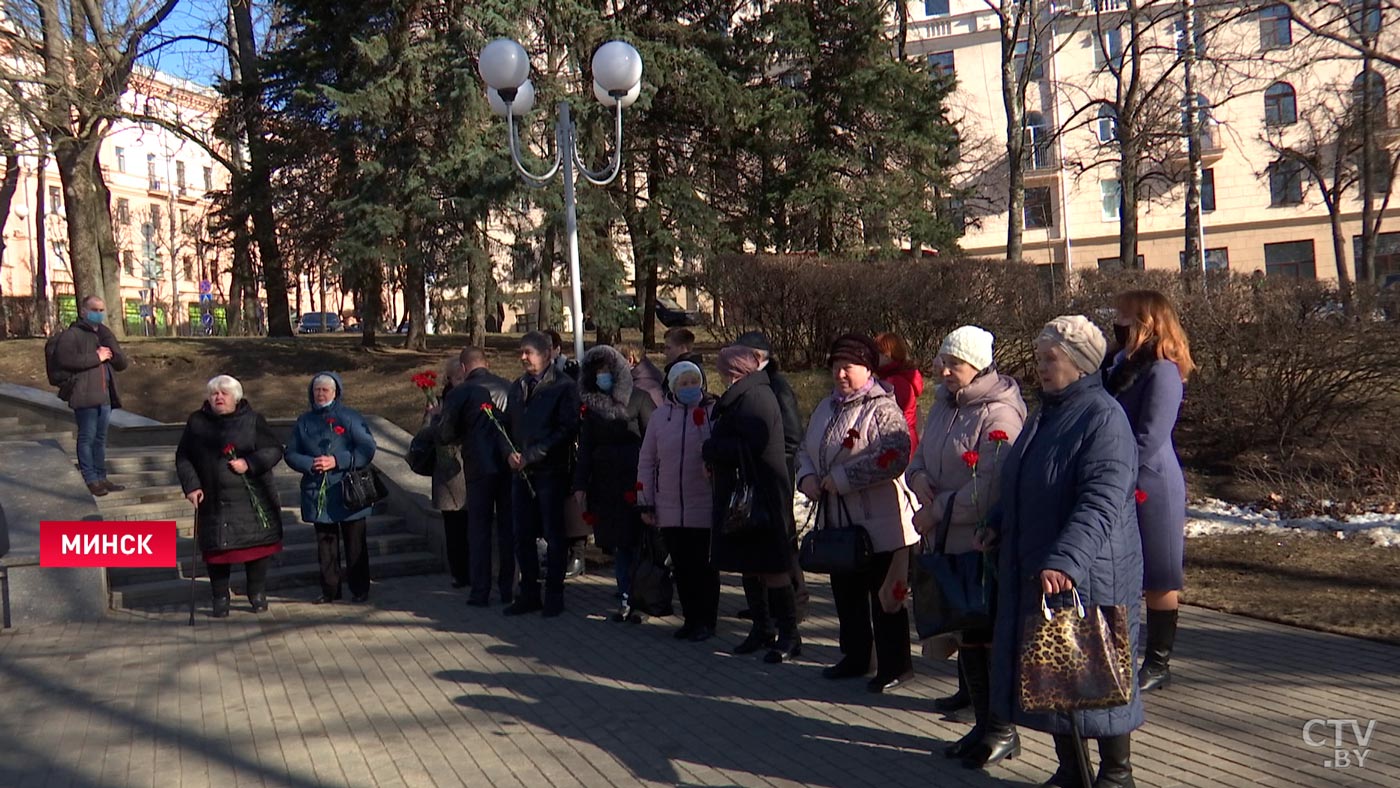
x,y
1086,7
155,185
1041,163
1212,149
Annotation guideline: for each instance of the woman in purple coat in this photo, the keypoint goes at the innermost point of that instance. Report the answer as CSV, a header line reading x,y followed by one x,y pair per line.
x,y
1148,378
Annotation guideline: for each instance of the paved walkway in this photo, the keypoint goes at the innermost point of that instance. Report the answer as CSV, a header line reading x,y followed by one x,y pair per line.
x,y
420,690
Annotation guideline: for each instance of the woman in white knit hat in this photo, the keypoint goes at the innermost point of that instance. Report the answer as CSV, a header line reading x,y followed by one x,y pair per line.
x,y
975,409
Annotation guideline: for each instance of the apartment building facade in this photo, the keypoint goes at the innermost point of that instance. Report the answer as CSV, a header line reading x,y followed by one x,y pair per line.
x,y
1263,85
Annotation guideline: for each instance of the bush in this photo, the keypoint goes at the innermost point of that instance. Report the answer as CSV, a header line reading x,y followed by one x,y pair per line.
x,y
1280,366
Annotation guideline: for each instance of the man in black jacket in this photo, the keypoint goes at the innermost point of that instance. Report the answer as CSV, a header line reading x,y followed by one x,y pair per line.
x,y
465,422
543,416
792,439
90,354
679,346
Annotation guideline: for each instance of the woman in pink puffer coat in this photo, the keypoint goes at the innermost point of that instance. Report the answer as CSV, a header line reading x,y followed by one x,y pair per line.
x,y
675,495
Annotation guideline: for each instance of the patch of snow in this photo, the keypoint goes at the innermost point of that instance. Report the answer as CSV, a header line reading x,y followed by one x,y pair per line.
x,y
1211,517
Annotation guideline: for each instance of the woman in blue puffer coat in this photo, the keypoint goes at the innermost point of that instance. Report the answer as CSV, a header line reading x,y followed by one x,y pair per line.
x,y
328,440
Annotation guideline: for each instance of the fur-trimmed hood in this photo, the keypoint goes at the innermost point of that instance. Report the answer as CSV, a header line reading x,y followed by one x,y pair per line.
x,y
612,405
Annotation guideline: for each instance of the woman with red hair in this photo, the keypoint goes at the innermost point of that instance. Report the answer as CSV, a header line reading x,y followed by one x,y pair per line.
x,y
1148,379
908,383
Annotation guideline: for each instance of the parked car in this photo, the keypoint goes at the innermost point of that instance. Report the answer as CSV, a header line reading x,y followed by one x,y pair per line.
x,y
1388,300
318,323
672,314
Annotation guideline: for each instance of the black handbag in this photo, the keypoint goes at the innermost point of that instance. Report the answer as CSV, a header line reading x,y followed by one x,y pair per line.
x,y
743,512
652,586
840,549
951,592
421,456
361,488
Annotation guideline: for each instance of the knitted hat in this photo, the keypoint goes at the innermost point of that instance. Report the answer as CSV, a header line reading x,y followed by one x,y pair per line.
x,y
854,349
970,344
1079,338
736,361
538,342
681,368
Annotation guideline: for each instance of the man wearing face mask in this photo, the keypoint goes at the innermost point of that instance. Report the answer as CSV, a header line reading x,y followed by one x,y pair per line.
x,y
90,355
614,418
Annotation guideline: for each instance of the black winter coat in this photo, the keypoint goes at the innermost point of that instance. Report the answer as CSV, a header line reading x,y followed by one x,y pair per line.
x,y
484,449
544,423
611,429
748,439
228,515
793,430
76,354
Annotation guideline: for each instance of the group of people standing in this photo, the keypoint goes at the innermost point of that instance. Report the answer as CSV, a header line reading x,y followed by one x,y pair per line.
x,y
1084,495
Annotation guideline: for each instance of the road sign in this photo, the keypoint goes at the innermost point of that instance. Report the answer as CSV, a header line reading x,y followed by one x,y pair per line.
x,y
206,297
205,287
145,310
207,319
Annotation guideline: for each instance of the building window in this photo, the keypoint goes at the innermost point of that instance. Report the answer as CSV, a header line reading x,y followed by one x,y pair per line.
x,y
1179,37
55,199
1111,199
1107,129
941,63
129,262
208,178
185,221
188,265
935,7
180,176
955,214
1280,105
1038,142
1216,260
1207,190
1285,183
1292,259
155,184
1038,213
123,210
1111,264
1275,28
1387,253
121,159
1368,90
1037,64
1108,48
1364,17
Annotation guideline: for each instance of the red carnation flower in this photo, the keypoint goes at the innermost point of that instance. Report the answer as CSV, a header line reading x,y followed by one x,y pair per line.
x,y
330,420
999,436
852,433
583,410
886,458
339,430
1140,497
698,416
971,458
629,497
230,450
590,518
486,407
638,487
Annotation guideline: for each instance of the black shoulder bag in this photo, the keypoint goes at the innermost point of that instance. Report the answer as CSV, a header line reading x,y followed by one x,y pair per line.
x,y
840,549
361,488
951,592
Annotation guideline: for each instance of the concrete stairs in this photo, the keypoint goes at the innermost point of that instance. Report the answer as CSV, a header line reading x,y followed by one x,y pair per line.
x,y
153,493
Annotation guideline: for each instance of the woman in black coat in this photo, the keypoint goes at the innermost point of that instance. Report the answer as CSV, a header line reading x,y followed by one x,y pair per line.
x,y
746,445
613,420
225,461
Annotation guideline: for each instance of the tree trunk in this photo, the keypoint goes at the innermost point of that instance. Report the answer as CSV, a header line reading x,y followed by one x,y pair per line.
x,y
372,306
1339,254
478,282
279,322
415,284
1013,99
80,196
111,259
8,187
545,284
1128,204
41,254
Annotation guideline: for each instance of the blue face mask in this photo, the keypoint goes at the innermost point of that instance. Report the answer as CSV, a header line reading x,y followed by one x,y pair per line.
x,y
690,395
605,381
94,318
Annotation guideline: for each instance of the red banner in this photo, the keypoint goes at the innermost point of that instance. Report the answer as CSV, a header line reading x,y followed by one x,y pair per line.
x,y
97,543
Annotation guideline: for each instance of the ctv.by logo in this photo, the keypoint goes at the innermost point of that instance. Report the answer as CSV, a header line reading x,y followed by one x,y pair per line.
x,y
1342,757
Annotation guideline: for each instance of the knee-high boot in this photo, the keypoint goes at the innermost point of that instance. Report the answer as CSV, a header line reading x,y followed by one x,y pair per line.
x,y
958,700
1069,774
997,739
782,604
1115,765
1161,635
761,632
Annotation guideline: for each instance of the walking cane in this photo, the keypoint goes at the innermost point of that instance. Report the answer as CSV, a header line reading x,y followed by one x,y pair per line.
x,y
1080,750
194,563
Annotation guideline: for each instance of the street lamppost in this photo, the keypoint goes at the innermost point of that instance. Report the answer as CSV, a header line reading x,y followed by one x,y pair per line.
x,y
617,81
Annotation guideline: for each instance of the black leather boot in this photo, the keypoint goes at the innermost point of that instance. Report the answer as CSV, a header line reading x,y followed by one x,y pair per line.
x,y
221,606
997,739
961,747
1115,765
761,633
782,604
1161,634
958,700
258,601
1068,751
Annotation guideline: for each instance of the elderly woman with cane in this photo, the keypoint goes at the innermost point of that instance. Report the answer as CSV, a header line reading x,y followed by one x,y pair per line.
x,y
225,460
1068,528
